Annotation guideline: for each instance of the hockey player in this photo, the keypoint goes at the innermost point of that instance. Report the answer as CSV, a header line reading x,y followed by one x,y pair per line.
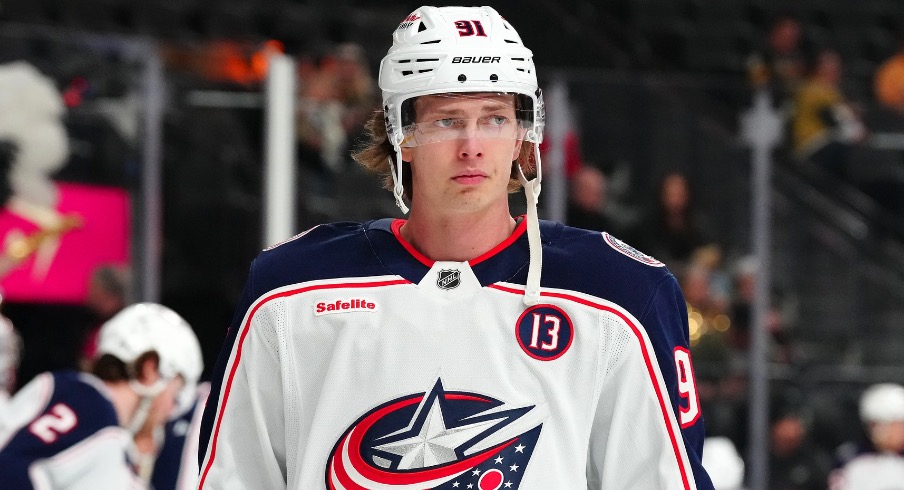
x,y
878,464
176,463
69,430
10,344
462,347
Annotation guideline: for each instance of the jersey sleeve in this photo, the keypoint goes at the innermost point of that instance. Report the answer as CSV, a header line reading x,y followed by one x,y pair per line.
x,y
99,461
242,443
56,435
647,430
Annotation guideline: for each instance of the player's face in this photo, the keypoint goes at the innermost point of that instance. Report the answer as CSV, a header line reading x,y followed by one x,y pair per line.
x,y
163,405
888,436
469,171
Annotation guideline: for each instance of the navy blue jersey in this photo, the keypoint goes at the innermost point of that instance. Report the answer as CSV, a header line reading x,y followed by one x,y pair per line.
x,y
61,431
356,362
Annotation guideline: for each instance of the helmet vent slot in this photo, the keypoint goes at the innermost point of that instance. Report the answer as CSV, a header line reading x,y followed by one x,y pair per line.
x,y
431,42
421,27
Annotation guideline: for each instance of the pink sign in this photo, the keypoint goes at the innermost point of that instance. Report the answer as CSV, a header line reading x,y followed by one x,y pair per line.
x,y
49,255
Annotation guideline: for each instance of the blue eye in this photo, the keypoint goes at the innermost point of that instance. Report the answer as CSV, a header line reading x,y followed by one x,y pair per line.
x,y
445,123
497,120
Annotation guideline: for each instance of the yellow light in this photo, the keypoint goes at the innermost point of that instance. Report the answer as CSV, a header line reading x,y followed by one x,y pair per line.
x,y
722,322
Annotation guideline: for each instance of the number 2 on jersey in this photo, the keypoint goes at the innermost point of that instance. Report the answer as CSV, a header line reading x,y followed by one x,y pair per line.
x,y
687,388
51,426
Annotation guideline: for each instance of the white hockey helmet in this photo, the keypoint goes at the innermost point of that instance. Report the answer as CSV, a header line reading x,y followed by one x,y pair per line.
x,y
883,402
723,463
146,327
439,50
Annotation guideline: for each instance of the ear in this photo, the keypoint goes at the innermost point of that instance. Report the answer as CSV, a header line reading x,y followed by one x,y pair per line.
x,y
517,151
406,155
148,372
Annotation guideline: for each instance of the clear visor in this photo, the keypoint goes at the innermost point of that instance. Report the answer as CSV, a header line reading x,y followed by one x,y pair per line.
x,y
447,117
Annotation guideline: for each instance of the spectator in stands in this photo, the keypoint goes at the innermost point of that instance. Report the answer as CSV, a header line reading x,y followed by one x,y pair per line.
x,y
741,311
779,65
889,82
795,462
108,292
826,125
672,229
878,462
336,96
587,201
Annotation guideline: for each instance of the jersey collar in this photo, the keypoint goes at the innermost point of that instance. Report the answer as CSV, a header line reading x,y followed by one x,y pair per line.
x,y
520,228
500,263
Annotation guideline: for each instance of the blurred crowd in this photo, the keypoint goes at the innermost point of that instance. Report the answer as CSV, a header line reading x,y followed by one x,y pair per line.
x,y
823,126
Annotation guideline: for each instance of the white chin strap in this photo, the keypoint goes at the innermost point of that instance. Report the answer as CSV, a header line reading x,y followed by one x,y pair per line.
x,y
147,393
532,194
396,170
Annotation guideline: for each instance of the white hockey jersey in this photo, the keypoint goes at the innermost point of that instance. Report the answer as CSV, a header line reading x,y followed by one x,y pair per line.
x,y
355,362
60,431
863,467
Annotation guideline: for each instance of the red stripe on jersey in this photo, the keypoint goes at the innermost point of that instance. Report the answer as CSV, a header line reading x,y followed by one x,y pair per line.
x,y
673,438
397,231
244,333
520,228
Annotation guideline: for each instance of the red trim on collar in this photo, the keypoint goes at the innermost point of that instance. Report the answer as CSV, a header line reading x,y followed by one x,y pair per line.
x,y
520,228
397,231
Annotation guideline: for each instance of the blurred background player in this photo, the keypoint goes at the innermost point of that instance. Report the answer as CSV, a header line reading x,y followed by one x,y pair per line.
x,y
66,429
878,462
10,344
723,463
176,464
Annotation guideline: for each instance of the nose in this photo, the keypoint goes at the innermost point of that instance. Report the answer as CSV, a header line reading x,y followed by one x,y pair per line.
x,y
470,143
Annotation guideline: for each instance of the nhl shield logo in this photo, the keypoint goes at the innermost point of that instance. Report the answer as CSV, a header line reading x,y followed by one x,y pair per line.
x,y
448,279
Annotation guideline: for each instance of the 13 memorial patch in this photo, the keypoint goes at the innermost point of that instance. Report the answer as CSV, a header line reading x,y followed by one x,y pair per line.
x,y
544,332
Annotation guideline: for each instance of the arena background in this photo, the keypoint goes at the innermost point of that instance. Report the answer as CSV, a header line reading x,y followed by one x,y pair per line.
x,y
653,86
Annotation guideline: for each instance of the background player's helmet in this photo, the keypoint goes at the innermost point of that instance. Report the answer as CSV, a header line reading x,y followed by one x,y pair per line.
x,y
723,463
457,49
882,402
145,327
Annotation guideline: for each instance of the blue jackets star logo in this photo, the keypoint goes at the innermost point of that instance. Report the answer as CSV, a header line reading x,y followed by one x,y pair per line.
x,y
437,439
